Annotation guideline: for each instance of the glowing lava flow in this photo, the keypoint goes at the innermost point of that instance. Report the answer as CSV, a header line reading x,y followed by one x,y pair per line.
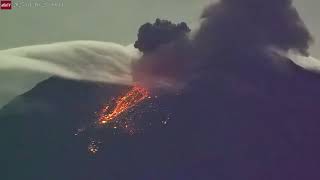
x,y
124,103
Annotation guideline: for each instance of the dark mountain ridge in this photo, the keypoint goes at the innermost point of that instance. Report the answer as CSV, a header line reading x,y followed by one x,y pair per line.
x,y
258,123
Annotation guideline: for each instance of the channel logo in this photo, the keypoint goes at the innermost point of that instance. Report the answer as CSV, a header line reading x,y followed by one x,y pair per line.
x,y
6,5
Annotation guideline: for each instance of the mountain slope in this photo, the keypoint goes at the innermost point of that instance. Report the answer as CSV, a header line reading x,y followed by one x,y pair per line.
x,y
239,124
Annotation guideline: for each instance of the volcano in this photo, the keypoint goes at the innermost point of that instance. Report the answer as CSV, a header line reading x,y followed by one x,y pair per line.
x,y
42,131
224,126
238,108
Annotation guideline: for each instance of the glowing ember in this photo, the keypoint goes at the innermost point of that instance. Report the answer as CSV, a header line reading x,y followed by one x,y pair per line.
x,y
123,103
93,147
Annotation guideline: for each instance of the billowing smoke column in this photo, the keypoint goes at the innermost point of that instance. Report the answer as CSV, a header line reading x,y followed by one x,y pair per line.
x,y
256,109
252,25
239,37
165,32
163,44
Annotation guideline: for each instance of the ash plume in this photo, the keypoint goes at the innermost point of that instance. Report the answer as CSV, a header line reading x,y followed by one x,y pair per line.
x,y
243,89
163,45
237,38
253,24
165,30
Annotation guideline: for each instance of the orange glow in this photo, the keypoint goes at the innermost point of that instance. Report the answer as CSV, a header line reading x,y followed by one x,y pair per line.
x,y
123,103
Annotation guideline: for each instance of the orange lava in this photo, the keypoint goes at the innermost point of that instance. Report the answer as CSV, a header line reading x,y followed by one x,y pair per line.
x,y
124,103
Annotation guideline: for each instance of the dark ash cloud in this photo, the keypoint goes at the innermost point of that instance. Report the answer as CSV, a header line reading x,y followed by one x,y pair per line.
x,y
151,36
235,37
244,24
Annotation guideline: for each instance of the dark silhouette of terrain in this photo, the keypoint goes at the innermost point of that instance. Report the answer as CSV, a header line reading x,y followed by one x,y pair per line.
x,y
259,123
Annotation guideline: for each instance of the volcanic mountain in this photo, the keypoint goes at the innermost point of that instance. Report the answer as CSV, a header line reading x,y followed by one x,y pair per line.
x,y
247,123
